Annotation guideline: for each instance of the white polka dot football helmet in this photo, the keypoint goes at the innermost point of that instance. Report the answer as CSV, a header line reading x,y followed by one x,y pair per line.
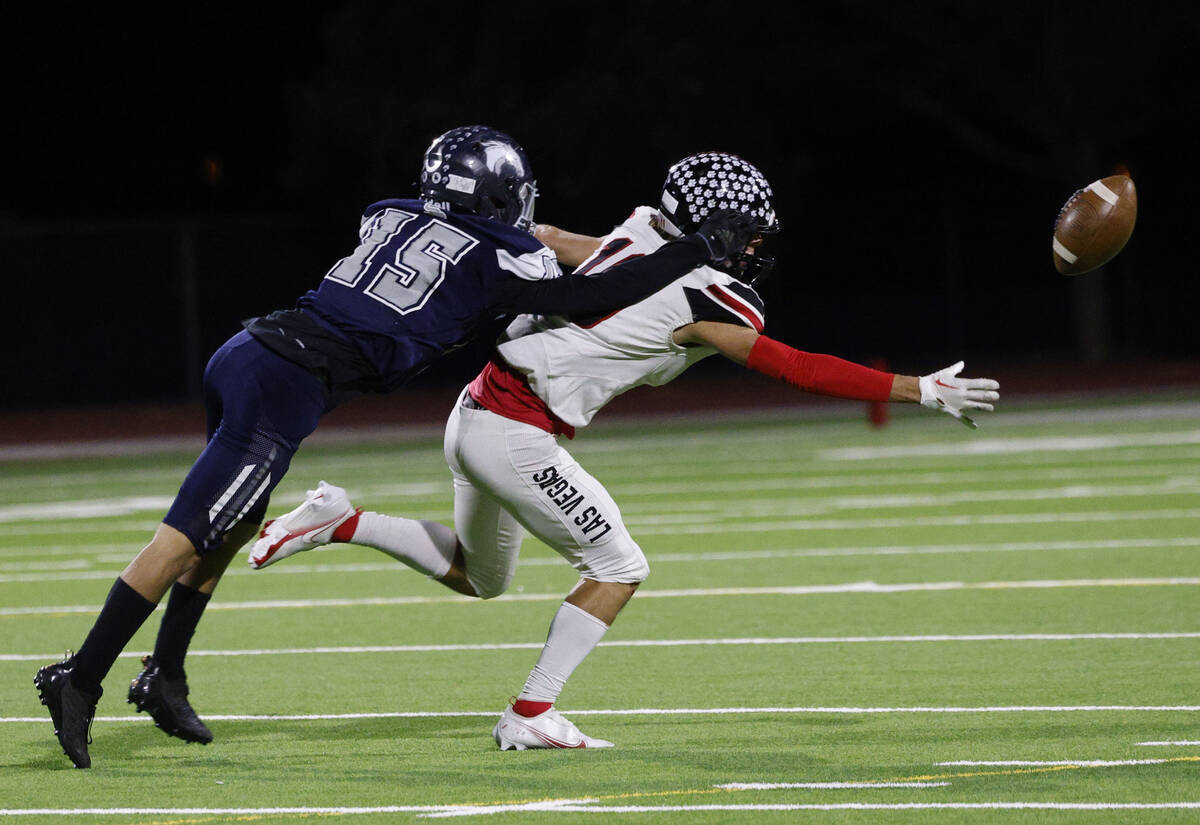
x,y
702,183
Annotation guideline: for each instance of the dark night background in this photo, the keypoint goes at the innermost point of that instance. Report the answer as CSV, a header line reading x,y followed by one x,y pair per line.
x,y
171,171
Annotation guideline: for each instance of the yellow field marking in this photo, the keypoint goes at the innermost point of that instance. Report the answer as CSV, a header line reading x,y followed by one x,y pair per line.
x,y
238,818
1046,769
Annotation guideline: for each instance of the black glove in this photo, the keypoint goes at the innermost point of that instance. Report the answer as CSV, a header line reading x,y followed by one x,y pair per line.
x,y
725,233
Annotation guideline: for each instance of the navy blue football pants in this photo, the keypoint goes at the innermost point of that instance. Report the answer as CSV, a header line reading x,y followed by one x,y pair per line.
x,y
260,407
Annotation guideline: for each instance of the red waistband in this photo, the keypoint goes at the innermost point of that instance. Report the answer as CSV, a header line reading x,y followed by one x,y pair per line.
x,y
504,391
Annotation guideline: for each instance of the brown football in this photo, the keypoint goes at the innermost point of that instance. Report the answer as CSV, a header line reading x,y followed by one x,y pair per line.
x,y
1094,225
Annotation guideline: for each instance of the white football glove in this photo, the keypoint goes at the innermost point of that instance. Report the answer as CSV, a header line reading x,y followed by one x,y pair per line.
x,y
945,391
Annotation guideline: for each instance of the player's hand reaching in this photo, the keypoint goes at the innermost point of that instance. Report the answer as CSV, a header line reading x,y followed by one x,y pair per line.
x,y
726,233
944,390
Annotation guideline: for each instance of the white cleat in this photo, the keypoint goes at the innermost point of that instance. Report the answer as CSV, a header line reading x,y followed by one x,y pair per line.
x,y
546,730
309,525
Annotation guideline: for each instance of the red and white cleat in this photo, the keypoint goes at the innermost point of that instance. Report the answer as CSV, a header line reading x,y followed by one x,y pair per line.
x,y
309,525
546,730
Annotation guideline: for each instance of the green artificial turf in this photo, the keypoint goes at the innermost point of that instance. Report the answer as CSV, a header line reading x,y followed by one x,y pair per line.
x,y
880,601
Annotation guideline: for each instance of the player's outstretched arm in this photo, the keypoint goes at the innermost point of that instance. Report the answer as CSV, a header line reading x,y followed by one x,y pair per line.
x,y
829,375
724,233
570,248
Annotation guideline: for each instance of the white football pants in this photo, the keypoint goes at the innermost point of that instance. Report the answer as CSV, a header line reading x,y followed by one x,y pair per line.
x,y
509,475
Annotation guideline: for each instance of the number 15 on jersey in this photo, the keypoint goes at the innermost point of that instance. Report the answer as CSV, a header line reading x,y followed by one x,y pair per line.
x,y
402,264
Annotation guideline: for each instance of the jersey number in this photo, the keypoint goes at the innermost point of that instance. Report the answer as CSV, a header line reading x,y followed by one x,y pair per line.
x,y
404,269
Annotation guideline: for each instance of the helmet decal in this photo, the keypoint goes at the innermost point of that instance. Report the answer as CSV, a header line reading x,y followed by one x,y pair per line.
x,y
496,155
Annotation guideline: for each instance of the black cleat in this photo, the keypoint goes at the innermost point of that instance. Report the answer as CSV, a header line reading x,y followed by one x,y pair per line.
x,y
71,708
166,702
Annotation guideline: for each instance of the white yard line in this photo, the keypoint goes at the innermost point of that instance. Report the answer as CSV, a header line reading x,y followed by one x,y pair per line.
x,y
797,478
801,480
1183,485
584,806
43,565
696,523
719,555
90,508
1001,446
729,711
865,587
777,786
115,552
44,478
736,642
911,550
739,556
104,528
1172,743
747,505
650,526
669,467
84,508
248,812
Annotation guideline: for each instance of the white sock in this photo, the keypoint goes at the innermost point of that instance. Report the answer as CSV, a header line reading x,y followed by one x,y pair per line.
x,y
423,545
573,634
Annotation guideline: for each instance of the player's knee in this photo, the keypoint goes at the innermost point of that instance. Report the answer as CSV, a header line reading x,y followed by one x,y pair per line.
x,y
489,587
171,543
490,592
629,566
640,572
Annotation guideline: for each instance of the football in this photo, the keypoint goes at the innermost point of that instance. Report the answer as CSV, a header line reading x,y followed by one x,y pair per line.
x,y
1094,225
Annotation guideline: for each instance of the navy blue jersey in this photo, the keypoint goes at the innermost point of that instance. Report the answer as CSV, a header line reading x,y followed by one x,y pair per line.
x,y
421,281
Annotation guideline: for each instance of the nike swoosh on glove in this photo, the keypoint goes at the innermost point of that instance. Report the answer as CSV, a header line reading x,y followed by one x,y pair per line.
x,y
944,390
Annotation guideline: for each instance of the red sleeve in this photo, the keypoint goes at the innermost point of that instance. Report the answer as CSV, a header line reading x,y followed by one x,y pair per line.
x,y
822,374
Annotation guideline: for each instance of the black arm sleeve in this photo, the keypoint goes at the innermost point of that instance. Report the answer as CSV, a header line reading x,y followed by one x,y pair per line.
x,y
605,291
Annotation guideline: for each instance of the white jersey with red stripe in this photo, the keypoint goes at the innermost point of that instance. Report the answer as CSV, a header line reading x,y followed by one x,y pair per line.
x,y
576,366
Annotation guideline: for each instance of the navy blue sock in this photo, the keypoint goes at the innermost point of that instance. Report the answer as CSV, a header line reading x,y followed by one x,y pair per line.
x,y
124,611
184,609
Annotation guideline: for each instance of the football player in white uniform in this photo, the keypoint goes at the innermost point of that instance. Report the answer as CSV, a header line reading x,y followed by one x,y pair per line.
x,y
551,375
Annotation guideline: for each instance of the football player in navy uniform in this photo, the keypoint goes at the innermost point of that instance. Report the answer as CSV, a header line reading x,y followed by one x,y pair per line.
x,y
426,276
551,375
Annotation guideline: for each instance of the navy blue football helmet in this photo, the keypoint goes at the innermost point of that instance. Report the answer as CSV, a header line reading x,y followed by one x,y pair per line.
x,y
702,183
480,171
